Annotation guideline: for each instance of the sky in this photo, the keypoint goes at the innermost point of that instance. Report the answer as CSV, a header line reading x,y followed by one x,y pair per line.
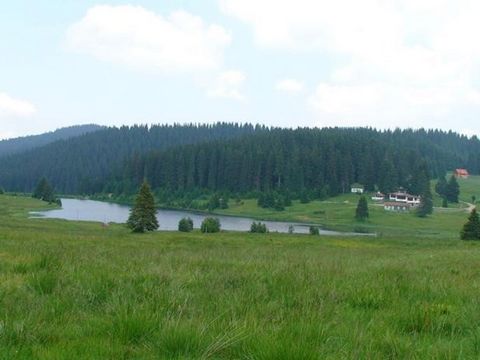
x,y
378,63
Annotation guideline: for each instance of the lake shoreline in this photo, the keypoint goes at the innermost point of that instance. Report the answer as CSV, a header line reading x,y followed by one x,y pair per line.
x,y
75,209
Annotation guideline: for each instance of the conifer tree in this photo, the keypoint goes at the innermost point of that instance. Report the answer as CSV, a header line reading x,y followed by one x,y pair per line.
x,y
143,214
453,190
426,203
362,209
445,203
471,230
44,191
441,186
423,188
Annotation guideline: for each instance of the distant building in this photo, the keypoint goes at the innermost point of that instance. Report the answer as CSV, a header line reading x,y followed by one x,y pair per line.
x,y
401,196
358,189
462,173
397,206
378,197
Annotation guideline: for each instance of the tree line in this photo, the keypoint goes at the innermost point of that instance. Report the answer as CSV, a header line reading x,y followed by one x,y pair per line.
x,y
83,164
184,161
304,163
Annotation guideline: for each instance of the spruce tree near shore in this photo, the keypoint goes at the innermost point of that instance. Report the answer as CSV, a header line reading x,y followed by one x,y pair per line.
x,y
44,191
143,216
471,230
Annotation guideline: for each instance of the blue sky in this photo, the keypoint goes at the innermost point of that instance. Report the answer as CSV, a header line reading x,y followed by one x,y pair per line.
x,y
391,63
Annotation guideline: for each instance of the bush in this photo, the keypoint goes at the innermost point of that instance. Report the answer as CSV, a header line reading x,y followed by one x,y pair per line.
x,y
185,225
2,191
314,230
210,225
304,197
214,202
258,228
445,203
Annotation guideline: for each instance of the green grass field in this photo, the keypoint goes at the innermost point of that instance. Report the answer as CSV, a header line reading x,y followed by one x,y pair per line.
x,y
338,213
79,291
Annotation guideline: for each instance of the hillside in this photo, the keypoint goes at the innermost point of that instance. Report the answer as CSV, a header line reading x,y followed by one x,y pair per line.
x,y
179,160
323,162
84,163
22,144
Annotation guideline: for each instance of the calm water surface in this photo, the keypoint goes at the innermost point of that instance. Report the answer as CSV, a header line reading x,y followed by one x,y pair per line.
x,y
89,210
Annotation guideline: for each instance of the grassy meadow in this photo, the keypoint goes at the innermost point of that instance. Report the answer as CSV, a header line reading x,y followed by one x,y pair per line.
x,y
73,290
338,214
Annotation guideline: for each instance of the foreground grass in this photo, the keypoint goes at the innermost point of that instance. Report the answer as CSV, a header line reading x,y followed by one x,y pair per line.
x,y
77,290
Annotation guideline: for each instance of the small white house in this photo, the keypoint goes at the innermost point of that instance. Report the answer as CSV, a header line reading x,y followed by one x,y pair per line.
x,y
397,206
378,197
402,196
358,189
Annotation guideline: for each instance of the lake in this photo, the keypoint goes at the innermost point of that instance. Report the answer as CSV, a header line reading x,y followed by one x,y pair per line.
x,y
99,211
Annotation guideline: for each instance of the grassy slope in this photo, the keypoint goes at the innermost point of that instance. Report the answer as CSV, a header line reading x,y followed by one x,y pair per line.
x,y
338,213
76,290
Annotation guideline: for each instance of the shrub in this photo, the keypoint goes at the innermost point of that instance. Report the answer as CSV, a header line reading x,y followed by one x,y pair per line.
x,y
258,228
224,203
214,202
314,230
445,203
2,191
304,197
185,225
210,225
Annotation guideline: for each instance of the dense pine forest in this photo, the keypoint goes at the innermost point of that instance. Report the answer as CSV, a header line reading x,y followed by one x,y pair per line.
x,y
18,145
240,159
82,164
322,161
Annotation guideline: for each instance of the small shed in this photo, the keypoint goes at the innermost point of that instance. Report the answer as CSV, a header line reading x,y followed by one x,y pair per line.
x,y
358,189
378,196
397,206
462,173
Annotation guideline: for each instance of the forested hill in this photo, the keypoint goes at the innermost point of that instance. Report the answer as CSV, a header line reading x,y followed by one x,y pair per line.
x,y
239,159
322,161
21,144
82,164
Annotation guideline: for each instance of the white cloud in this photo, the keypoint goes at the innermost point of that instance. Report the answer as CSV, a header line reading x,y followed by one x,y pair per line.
x,y
12,107
345,100
290,86
139,38
228,85
397,61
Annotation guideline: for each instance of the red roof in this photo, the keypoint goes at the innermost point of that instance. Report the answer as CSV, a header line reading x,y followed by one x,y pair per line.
x,y
462,172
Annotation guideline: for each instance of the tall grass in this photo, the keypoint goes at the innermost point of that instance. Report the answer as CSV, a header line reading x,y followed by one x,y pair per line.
x,y
77,290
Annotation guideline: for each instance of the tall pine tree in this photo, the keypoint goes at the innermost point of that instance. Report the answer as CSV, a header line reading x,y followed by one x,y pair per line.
x,y
453,190
422,184
143,214
361,213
